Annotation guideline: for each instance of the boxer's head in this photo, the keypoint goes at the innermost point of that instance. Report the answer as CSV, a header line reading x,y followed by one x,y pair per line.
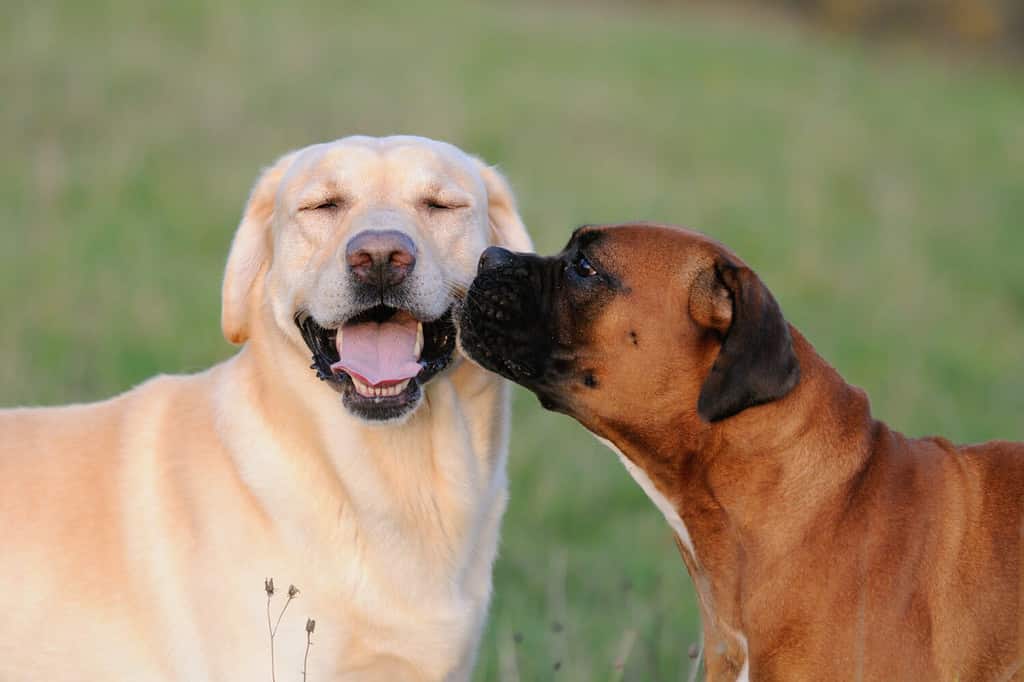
x,y
630,322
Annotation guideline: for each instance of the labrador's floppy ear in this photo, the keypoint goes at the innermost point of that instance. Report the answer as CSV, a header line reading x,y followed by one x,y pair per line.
x,y
507,229
756,363
250,252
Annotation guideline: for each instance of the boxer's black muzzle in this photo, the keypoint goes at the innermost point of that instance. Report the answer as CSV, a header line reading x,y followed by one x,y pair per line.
x,y
507,324
525,317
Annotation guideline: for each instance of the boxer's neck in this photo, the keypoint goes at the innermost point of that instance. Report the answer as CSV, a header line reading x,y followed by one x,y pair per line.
x,y
766,467
741,486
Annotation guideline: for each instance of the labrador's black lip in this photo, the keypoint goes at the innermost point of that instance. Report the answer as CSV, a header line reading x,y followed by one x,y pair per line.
x,y
321,342
436,356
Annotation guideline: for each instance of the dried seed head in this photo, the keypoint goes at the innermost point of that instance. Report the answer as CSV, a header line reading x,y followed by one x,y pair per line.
x,y
293,591
310,625
268,585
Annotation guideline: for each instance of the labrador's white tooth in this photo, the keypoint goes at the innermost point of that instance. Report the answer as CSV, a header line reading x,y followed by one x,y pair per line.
x,y
419,341
362,389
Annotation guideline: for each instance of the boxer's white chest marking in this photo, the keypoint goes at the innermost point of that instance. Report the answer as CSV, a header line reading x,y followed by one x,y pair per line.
x,y
676,522
744,675
659,500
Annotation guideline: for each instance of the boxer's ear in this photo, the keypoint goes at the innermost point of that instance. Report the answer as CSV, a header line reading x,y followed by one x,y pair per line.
x,y
507,229
756,363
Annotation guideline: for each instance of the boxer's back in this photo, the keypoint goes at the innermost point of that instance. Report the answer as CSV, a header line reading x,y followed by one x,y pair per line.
x,y
952,518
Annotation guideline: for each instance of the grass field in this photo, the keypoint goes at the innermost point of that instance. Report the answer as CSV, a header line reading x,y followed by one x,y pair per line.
x,y
880,195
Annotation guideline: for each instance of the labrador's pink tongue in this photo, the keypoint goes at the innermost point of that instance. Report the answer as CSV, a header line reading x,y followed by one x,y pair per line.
x,y
379,352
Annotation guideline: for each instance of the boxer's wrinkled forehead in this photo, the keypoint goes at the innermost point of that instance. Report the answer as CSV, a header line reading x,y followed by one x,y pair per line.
x,y
603,238
584,236
639,254
586,239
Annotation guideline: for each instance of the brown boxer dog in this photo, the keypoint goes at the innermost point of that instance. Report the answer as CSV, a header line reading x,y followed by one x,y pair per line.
x,y
823,544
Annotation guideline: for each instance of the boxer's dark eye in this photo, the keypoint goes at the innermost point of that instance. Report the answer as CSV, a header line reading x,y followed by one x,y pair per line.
x,y
583,267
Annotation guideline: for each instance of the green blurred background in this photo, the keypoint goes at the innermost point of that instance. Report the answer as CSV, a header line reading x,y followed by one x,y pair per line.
x,y
878,189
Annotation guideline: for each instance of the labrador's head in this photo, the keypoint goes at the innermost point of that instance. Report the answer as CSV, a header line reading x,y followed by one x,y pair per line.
x,y
358,249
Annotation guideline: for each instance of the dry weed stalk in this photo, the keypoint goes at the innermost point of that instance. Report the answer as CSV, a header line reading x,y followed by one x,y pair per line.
x,y
310,627
293,592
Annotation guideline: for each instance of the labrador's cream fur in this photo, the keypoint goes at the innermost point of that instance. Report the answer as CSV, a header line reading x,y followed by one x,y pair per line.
x,y
137,532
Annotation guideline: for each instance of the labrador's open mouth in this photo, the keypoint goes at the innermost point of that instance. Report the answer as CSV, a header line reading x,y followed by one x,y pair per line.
x,y
380,359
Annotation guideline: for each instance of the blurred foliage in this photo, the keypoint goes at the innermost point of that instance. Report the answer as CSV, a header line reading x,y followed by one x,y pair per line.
x,y
970,23
879,193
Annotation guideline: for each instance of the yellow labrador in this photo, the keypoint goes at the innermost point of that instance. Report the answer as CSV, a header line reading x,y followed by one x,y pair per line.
x,y
137,532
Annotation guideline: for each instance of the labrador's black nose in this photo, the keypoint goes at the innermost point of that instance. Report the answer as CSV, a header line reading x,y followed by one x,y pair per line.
x,y
381,258
495,257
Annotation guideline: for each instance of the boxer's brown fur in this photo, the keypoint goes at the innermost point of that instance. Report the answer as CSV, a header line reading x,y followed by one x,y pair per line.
x,y
825,545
